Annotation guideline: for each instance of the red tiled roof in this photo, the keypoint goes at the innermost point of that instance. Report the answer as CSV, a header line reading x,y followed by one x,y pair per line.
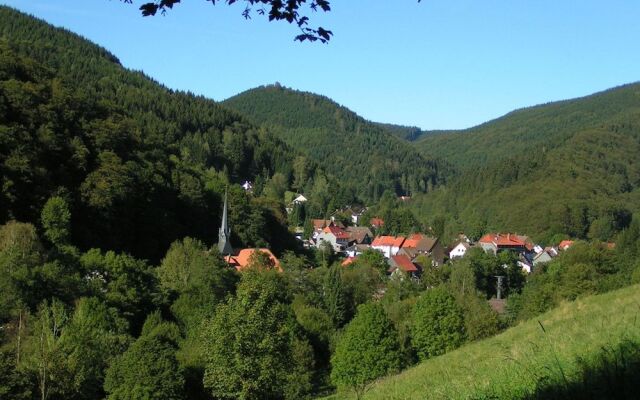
x,y
413,240
502,239
377,222
348,261
565,244
320,223
390,241
339,233
404,263
241,260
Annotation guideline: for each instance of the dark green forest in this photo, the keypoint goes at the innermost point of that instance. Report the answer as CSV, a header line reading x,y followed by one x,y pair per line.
x,y
139,165
360,154
409,133
568,168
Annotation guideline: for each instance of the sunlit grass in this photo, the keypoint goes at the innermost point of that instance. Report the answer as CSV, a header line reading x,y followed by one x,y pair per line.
x,y
564,351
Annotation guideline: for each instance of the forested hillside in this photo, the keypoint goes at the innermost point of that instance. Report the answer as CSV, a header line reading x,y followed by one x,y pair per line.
x,y
139,165
362,155
567,168
410,133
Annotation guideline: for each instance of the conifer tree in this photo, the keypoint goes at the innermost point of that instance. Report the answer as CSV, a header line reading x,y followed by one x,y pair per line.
x,y
335,296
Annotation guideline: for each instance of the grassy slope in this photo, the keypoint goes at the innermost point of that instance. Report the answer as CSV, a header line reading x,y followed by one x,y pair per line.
x,y
514,363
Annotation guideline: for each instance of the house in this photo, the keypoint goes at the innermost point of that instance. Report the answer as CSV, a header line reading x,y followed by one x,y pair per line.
x,y
388,245
242,260
336,236
376,223
359,235
459,249
419,244
299,200
402,263
356,213
525,262
544,256
247,186
352,212
356,249
496,242
528,243
553,251
565,244
319,225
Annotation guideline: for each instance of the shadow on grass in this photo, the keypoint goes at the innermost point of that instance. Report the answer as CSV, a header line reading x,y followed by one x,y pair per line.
x,y
612,373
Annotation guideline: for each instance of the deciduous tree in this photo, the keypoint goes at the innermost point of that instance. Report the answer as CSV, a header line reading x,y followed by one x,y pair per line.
x,y
438,323
368,349
253,347
148,370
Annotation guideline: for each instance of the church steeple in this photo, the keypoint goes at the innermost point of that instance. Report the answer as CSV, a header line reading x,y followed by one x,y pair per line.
x,y
224,233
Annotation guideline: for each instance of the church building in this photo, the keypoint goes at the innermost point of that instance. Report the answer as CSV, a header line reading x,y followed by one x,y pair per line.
x,y
239,260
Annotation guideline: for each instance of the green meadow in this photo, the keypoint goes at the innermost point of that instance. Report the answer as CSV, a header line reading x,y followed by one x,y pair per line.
x,y
586,349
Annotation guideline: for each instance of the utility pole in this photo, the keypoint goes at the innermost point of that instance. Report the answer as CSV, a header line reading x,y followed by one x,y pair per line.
x,y
500,278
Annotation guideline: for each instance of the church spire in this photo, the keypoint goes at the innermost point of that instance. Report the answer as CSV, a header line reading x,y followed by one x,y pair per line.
x,y
224,233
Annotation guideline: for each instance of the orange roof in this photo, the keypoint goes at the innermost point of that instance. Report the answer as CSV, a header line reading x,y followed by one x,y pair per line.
x,y
348,261
565,244
320,223
241,260
404,263
502,239
388,241
412,241
377,222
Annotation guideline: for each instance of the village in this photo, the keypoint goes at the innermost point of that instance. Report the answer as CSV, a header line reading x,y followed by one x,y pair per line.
x,y
403,253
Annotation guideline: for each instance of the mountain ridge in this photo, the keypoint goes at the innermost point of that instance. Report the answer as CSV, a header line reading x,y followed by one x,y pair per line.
x,y
344,143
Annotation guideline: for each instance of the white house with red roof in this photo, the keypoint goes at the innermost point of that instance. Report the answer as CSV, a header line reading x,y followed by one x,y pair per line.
x,y
319,225
459,250
336,236
388,245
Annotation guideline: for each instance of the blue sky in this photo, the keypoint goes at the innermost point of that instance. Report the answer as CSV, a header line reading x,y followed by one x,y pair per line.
x,y
439,64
